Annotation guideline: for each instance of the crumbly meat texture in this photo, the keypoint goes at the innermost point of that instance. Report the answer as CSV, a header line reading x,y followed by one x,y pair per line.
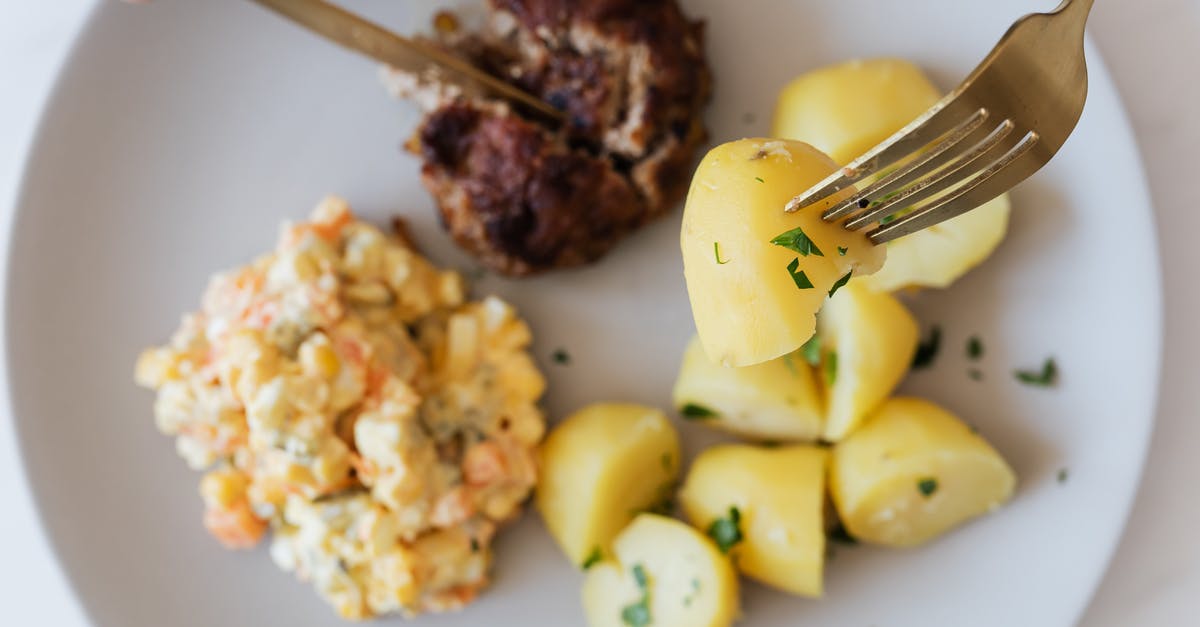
x,y
633,80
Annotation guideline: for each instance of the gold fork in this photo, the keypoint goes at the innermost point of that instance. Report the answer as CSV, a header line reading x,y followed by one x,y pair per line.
x,y
1006,121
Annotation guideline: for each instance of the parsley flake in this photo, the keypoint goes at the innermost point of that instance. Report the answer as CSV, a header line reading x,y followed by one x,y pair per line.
x,y
687,601
474,545
927,350
974,347
717,254
888,219
840,284
561,357
593,558
800,278
759,179
798,241
727,532
842,251
1046,378
927,486
831,367
692,411
637,614
812,351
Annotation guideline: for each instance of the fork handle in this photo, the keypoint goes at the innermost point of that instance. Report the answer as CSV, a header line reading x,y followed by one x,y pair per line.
x,y
1075,6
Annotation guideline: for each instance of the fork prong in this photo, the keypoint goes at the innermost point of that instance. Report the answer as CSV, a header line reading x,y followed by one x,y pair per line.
x,y
923,162
1001,175
935,123
934,179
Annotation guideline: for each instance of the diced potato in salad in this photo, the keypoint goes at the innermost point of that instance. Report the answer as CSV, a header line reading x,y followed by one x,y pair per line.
x,y
343,395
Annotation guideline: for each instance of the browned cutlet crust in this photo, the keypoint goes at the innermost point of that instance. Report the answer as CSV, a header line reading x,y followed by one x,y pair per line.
x,y
632,77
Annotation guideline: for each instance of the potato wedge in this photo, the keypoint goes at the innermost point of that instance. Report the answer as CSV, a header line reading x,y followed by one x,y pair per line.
x,y
775,400
754,300
939,255
778,495
846,109
827,109
914,471
662,572
600,467
867,343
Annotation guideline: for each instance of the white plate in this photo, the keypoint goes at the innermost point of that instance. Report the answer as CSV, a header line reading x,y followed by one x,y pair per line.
x,y
182,133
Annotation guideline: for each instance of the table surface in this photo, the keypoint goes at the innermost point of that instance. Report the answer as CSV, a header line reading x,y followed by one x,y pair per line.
x,y
1150,46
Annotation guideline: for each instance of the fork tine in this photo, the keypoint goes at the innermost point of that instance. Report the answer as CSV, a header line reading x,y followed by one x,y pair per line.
x,y
940,120
942,176
924,161
1017,164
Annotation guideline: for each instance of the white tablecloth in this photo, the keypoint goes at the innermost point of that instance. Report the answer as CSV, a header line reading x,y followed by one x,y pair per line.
x,y
1152,46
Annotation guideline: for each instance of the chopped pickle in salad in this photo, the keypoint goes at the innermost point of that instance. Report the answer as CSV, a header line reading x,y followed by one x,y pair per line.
x,y
344,397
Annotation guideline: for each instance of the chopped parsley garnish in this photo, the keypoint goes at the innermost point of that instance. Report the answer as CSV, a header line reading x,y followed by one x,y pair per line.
x,y
561,357
927,350
1062,475
593,558
831,364
840,535
796,240
687,600
759,179
800,278
1046,378
717,254
974,347
888,219
727,532
927,487
840,284
692,411
812,351
638,614
842,251
474,545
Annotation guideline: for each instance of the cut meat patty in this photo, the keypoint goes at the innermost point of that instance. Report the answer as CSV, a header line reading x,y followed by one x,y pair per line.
x,y
631,76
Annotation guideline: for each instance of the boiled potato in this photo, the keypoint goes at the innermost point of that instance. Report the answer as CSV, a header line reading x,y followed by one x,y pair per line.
x,y
600,467
847,109
844,110
775,498
775,400
664,573
940,254
912,472
867,343
754,300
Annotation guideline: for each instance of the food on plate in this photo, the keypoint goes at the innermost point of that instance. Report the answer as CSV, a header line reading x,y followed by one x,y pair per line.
x,y
633,81
914,471
763,506
344,395
600,467
847,109
775,400
866,341
661,572
757,275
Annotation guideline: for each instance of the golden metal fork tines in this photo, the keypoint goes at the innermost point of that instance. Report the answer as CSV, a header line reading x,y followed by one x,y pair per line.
x,y
1006,121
